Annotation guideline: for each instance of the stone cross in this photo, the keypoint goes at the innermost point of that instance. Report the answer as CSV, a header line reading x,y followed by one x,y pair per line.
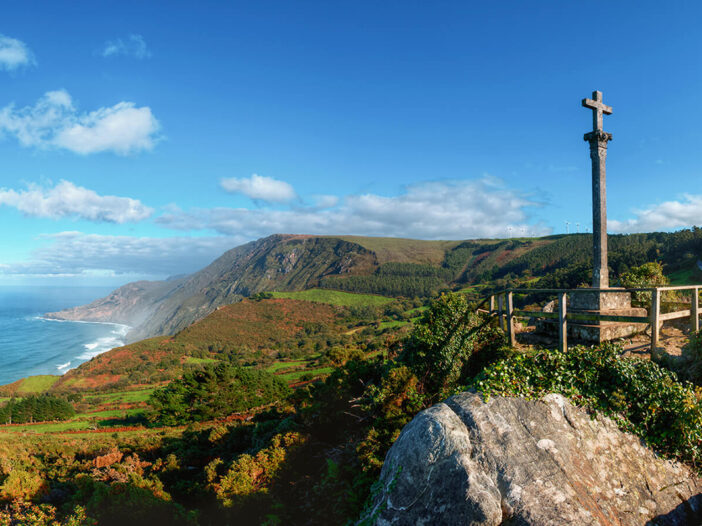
x,y
598,139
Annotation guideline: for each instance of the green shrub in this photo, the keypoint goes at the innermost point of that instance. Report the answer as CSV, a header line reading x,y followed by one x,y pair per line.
x,y
444,339
215,391
646,275
640,396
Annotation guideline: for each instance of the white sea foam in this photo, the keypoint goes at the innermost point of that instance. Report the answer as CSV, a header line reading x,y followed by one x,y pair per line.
x,y
99,346
60,367
104,344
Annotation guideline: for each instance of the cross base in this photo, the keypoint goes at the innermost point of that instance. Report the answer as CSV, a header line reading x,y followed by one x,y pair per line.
x,y
595,301
608,303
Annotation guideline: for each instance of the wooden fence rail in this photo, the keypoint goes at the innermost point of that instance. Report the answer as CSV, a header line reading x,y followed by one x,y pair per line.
x,y
501,304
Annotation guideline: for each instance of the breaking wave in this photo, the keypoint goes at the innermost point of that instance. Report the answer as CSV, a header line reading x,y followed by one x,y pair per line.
x,y
104,344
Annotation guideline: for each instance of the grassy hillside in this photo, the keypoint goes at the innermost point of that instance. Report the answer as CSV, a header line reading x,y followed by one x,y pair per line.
x,y
400,250
258,333
335,297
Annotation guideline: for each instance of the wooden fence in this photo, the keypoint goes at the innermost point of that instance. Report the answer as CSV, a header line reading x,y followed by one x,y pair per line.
x,y
501,304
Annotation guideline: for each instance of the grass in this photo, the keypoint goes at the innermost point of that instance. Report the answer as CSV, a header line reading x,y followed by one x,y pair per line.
x,y
393,323
124,397
108,413
296,375
399,250
278,366
335,297
36,384
107,418
70,425
193,360
690,276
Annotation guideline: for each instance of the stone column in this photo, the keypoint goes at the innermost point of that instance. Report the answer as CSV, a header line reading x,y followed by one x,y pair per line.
x,y
598,153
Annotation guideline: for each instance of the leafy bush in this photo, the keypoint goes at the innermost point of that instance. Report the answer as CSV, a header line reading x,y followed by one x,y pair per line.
x,y
442,342
646,275
215,391
639,395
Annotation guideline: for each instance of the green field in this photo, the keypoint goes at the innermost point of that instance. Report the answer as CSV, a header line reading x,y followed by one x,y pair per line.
x,y
193,360
393,323
36,384
296,375
97,419
691,276
417,311
124,397
335,297
108,413
279,366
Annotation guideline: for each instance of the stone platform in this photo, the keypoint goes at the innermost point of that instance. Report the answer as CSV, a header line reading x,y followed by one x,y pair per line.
x,y
596,301
607,303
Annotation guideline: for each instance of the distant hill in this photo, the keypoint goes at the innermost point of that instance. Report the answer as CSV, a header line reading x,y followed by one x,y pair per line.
x,y
386,266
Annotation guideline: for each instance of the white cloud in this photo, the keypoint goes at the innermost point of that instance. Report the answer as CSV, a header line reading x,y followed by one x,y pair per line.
x,y
54,122
325,201
438,210
68,200
78,254
260,188
14,54
132,45
669,215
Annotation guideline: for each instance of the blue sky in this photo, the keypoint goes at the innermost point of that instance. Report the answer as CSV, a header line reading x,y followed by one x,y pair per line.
x,y
143,139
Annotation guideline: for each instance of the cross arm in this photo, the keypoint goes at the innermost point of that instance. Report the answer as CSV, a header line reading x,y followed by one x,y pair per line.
x,y
597,105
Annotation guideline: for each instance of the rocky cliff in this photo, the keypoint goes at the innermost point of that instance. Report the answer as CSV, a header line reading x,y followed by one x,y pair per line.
x,y
280,262
520,462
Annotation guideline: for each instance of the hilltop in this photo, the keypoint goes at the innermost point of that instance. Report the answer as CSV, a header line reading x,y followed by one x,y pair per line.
x,y
386,266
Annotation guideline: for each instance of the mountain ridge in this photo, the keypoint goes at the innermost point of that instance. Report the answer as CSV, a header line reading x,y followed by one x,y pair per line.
x,y
387,266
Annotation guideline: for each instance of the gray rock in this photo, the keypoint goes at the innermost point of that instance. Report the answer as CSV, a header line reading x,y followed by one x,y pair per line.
x,y
512,461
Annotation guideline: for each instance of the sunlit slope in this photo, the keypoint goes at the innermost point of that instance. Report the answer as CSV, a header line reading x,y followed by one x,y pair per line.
x,y
248,332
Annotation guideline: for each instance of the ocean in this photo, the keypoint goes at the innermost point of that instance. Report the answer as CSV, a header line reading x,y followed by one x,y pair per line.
x,y
31,344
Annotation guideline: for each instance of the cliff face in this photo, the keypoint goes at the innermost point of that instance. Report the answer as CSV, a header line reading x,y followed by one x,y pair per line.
x,y
517,461
280,262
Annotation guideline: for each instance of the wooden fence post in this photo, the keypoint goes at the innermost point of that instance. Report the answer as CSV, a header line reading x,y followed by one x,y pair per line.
x,y
492,304
655,316
500,308
695,311
562,322
510,320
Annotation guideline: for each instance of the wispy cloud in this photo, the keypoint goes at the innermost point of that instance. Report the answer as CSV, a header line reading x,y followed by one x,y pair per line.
x,y
260,188
14,54
132,46
68,200
54,122
433,210
78,254
669,215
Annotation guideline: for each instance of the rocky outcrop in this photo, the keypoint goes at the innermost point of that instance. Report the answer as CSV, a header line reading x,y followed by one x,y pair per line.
x,y
511,461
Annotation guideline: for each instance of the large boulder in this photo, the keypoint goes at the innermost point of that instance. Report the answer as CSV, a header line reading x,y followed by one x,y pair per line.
x,y
511,461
